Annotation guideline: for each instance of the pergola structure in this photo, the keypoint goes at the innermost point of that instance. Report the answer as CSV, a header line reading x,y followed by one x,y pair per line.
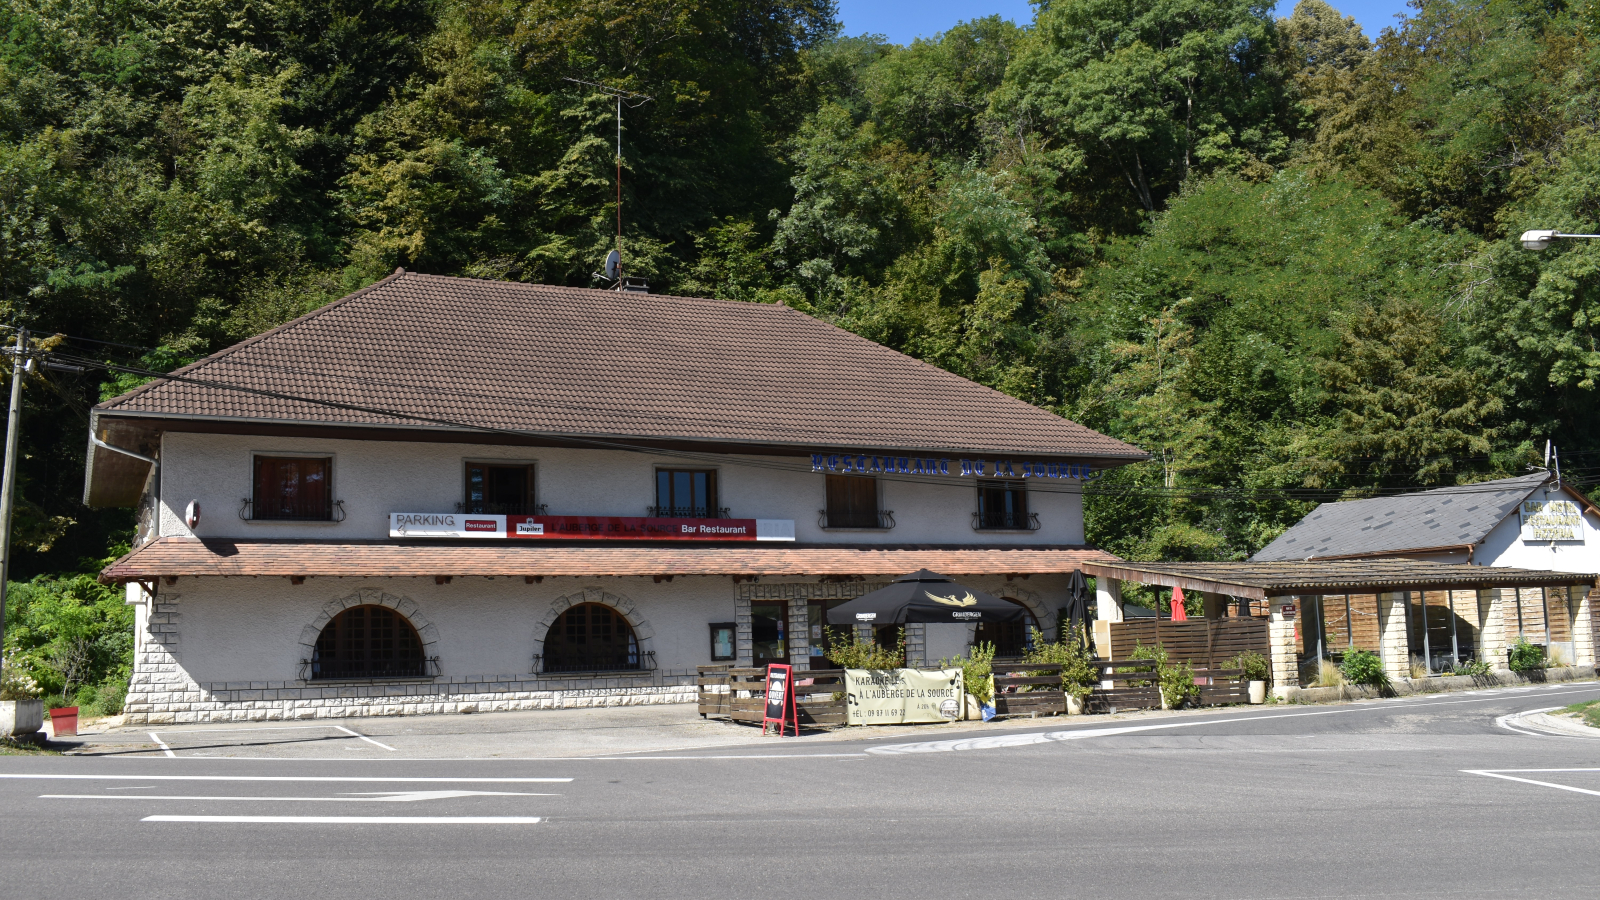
x,y
1287,587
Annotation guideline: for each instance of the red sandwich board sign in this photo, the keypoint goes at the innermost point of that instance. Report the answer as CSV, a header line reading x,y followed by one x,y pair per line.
x,y
780,699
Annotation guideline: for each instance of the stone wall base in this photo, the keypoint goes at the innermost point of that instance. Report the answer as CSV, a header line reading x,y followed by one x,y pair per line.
x,y
268,701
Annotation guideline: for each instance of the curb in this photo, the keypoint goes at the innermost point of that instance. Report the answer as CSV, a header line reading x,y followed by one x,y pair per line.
x,y
1440,684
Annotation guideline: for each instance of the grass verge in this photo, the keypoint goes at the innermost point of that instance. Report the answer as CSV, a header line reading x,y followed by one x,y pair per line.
x,y
1589,712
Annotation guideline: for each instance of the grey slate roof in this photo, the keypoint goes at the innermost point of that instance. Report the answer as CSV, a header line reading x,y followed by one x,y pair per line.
x,y
1443,517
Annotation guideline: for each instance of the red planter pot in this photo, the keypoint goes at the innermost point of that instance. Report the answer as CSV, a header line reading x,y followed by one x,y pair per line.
x,y
64,720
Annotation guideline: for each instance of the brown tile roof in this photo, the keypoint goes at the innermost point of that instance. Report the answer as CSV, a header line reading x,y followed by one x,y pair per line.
x,y
1258,580
166,557
572,361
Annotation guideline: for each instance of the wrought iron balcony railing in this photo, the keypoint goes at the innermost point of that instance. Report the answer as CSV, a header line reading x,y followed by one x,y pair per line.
x,y
326,669
687,512
618,662
882,520
487,508
1005,521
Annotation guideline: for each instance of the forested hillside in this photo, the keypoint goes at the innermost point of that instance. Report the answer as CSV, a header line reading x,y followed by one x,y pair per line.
x,y
1276,253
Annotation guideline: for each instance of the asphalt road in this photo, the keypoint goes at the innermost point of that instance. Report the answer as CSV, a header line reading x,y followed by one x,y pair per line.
x,y
1413,797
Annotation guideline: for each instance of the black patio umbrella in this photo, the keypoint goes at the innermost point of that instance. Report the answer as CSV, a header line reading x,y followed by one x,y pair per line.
x,y
1076,613
925,596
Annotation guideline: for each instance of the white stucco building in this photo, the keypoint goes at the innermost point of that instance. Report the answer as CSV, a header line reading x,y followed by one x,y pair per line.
x,y
445,494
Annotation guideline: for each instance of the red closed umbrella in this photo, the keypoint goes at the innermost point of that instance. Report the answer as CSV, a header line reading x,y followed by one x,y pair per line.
x,y
1179,614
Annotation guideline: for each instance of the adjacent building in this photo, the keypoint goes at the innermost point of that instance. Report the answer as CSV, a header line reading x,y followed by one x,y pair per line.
x,y
444,494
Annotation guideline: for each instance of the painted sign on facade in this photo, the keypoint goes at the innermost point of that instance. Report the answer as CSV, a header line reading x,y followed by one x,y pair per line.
x,y
862,464
894,696
1551,520
586,528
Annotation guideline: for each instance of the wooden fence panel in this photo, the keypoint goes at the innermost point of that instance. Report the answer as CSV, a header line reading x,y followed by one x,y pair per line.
x,y
1203,643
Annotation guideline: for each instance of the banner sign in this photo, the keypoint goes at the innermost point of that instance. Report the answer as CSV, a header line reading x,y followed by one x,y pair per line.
x,y
978,468
1552,520
780,699
585,528
899,696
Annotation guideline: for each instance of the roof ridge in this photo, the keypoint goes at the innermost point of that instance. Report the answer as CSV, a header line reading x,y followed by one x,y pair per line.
x,y
251,341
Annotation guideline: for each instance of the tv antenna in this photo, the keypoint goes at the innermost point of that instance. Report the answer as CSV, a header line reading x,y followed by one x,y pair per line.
x,y
634,100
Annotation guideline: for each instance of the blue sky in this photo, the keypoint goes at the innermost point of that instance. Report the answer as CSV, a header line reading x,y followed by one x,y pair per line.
x,y
903,20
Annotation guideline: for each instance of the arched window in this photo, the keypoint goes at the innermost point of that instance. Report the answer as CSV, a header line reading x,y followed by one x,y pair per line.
x,y
590,637
368,642
1010,639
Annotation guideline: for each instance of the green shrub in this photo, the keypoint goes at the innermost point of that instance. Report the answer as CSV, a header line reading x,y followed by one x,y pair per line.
x,y
847,651
67,633
1474,667
1252,666
1078,677
1364,667
1526,657
16,682
977,668
1175,679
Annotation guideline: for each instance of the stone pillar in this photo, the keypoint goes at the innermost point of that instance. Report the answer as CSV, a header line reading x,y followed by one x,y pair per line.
x,y
1284,648
1583,630
1498,609
916,645
799,634
159,690
1108,599
743,634
1394,645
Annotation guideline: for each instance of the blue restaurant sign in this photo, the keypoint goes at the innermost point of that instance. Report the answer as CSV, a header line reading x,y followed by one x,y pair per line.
x,y
862,464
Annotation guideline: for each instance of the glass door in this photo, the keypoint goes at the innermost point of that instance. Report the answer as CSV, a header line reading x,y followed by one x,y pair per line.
x,y
769,630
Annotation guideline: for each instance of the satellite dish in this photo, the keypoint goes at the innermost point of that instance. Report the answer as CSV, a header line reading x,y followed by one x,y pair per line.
x,y
613,260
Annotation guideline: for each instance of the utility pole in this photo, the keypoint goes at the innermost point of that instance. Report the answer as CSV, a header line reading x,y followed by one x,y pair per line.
x,y
8,486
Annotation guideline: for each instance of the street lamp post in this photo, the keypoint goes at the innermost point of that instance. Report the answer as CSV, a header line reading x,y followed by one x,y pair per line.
x,y
1540,239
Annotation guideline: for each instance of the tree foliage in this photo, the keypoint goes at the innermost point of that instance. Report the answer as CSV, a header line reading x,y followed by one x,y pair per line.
x,y
1277,253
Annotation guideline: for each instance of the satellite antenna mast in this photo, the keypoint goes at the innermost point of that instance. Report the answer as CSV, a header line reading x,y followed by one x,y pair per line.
x,y
613,269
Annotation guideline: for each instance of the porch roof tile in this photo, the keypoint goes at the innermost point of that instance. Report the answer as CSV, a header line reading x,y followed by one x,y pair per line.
x,y
169,557
1258,580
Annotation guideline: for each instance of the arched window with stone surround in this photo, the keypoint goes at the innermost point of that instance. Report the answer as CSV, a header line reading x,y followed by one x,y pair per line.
x,y
368,642
1010,639
591,637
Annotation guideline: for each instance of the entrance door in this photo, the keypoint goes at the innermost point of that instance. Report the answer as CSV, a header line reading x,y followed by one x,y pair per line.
x,y
769,632
817,622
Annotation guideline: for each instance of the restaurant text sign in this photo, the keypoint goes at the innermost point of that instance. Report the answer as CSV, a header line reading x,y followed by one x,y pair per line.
x,y
895,696
861,464
1551,520
585,528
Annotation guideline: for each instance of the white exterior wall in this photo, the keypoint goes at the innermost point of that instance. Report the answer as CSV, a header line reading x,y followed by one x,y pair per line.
x,y
375,478
230,649
1504,547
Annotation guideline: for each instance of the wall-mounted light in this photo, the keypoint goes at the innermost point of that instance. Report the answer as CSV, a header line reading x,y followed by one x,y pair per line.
x,y
191,514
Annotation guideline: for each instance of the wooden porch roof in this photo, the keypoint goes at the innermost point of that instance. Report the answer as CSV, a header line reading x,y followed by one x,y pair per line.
x,y
1259,580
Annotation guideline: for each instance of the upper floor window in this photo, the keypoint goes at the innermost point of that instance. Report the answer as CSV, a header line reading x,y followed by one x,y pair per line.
x,y
853,503
500,489
686,494
1003,505
293,487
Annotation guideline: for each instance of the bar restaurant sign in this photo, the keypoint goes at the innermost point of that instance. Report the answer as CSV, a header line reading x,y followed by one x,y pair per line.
x,y
585,528
1551,520
898,696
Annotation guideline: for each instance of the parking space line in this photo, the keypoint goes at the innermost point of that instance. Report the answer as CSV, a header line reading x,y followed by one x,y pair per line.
x,y
163,745
365,738
358,820
334,778
1548,784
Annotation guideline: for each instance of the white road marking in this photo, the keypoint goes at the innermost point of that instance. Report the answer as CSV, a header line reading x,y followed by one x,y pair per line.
x,y
365,738
1548,784
358,820
386,796
1506,722
163,744
338,778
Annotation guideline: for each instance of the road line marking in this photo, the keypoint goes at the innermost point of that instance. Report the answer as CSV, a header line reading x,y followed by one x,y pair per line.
x,y
163,744
257,728
748,756
1548,784
1532,770
340,778
365,738
358,820
392,797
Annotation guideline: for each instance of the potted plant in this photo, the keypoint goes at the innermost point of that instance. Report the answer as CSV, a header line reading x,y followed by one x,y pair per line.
x,y
64,720
1254,670
21,710
1078,678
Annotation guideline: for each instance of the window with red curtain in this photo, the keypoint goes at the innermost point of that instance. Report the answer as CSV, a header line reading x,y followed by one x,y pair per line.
x,y
293,487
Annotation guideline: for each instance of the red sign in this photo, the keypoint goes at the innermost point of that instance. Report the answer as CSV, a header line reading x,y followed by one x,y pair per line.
x,y
780,699
586,528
